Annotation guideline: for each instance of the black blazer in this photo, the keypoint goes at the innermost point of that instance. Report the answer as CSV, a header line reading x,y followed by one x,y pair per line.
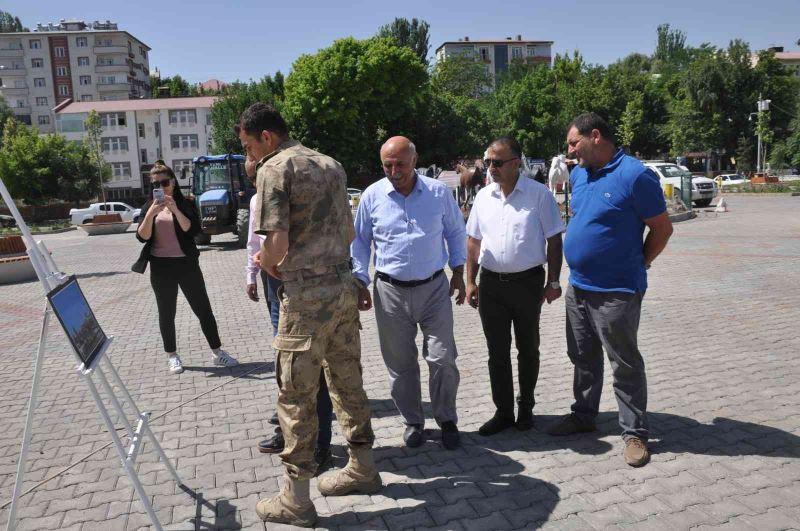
x,y
185,239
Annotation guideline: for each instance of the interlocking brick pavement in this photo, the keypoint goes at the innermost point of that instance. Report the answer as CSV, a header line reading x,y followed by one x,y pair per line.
x,y
718,333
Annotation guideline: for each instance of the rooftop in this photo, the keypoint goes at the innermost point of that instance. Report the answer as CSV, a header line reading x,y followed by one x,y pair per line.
x,y
150,104
507,40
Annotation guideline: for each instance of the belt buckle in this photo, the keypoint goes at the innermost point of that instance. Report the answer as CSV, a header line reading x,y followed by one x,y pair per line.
x,y
504,277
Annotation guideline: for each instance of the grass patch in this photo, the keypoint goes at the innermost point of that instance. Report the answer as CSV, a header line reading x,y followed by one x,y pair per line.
x,y
47,226
766,188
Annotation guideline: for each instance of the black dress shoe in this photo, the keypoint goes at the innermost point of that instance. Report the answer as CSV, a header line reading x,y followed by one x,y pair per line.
x,y
450,437
413,435
569,424
525,419
323,457
495,425
274,419
272,445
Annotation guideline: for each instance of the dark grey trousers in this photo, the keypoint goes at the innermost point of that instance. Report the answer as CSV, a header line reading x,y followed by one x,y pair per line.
x,y
610,320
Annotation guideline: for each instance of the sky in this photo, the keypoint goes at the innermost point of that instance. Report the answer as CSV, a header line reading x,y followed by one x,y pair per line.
x,y
246,40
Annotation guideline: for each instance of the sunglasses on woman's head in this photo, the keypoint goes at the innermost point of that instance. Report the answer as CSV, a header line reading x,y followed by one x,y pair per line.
x,y
163,183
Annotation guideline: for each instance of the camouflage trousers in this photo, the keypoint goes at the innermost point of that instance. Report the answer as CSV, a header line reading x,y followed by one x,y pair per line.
x,y
319,327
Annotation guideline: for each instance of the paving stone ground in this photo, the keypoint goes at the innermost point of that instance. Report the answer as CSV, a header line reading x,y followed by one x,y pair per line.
x,y
719,334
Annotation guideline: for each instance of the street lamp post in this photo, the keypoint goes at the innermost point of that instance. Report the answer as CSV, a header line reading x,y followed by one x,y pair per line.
x,y
762,105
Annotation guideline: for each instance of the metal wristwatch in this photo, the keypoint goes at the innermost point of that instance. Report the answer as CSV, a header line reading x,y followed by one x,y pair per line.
x,y
554,285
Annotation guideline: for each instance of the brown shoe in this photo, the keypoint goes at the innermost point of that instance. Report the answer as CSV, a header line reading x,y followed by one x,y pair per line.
x,y
292,506
636,453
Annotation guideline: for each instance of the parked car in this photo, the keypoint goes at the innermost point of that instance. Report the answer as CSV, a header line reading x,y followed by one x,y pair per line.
x,y
732,179
7,221
79,216
704,190
354,196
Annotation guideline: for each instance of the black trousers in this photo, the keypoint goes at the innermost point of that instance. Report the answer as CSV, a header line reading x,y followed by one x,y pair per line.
x,y
501,304
166,276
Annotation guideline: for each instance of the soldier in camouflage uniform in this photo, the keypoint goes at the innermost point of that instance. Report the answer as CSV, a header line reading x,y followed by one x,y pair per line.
x,y
303,211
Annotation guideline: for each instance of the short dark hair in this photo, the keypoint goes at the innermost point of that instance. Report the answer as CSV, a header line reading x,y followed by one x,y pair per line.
x,y
588,121
510,142
262,117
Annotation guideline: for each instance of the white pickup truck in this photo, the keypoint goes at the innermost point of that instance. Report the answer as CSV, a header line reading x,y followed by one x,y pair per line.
x,y
79,216
703,188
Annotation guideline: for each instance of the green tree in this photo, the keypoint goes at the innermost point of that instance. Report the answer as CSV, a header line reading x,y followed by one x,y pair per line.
x,y
346,99
94,130
171,87
10,24
461,76
412,34
237,97
632,122
5,114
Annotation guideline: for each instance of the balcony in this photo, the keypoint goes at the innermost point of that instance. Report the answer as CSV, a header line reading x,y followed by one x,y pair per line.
x,y
11,52
10,71
13,91
110,49
112,87
22,110
111,68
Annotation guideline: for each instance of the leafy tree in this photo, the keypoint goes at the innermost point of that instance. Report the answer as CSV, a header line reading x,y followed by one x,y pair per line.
x,y
94,130
5,114
412,34
461,76
237,96
10,24
671,51
346,99
171,87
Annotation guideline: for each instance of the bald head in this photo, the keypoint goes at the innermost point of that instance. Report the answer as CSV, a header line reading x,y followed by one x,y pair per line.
x,y
399,159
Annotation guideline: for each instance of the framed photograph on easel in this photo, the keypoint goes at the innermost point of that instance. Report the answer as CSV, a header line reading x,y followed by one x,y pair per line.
x,y
78,321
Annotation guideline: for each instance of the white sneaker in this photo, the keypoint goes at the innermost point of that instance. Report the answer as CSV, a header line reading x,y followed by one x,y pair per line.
x,y
223,359
175,365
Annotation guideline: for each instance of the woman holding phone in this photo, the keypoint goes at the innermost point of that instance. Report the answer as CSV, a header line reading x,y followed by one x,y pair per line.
x,y
167,231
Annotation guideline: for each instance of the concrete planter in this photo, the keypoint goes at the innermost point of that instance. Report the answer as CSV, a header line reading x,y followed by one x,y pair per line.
x,y
96,229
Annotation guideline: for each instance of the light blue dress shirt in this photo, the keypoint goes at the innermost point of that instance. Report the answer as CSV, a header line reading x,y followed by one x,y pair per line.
x,y
410,232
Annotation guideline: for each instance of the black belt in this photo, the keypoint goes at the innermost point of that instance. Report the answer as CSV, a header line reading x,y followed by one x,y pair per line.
x,y
506,277
407,283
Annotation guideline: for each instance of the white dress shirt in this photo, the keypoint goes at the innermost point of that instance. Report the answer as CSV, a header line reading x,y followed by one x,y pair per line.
x,y
254,242
513,229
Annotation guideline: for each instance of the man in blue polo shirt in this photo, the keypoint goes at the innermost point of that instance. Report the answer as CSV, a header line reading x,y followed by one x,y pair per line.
x,y
613,198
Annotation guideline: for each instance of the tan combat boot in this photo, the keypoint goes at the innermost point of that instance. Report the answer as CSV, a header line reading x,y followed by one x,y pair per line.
x,y
359,476
292,506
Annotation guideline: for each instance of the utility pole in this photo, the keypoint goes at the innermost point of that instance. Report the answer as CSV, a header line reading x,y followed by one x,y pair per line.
x,y
763,105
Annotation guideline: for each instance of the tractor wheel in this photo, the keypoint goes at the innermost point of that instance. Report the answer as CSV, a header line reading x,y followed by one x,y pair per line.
x,y
242,226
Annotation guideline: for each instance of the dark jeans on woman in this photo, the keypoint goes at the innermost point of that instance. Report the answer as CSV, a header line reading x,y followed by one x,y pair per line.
x,y
324,404
505,301
166,276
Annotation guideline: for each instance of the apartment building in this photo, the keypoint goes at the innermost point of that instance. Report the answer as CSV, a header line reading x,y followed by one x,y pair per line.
x,y
497,54
72,60
136,133
791,60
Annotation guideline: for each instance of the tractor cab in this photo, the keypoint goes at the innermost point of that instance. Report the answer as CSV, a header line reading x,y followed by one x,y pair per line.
x,y
223,193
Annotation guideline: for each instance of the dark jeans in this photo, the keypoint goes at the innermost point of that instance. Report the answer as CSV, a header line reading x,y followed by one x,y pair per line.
x,y
501,304
610,320
324,405
166,276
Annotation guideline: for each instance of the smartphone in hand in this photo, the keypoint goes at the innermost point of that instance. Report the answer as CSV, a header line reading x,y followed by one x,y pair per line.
x,y
158,195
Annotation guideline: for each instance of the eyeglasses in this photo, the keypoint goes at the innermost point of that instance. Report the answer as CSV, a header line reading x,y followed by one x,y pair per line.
x,y
497,163
163,183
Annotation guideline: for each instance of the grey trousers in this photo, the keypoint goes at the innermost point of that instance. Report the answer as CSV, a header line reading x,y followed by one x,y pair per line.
x,y
398,311
610,320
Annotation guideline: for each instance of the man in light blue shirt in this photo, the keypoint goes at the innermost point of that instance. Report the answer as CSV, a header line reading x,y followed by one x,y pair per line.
x,y
416,228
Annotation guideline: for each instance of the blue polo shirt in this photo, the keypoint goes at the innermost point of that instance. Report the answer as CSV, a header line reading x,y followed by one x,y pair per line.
x,y
604,244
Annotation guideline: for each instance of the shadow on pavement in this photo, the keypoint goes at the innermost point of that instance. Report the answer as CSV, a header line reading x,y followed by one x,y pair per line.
x,y
249,370
102,274
224,513
384,407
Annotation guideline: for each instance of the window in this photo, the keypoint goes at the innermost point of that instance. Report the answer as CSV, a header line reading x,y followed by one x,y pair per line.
x,y
41,101
179,164
120,170
114,143
82,42
143,155
20,83
60,51
86,97
183,141
142,52
44,120
35,44
130,47
38,82
516,52
183,117
22,103
37,63
531,51
63,90
102,42
158,132
86,80
109,119
83,61
140,127
61,70
484,51
105,61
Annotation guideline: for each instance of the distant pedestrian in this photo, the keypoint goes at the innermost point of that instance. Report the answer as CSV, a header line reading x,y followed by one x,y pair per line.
x,y
167,231
417,229
614,197
514,228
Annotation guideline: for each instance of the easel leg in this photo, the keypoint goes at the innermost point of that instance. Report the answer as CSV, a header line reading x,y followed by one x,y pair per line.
x,y
132,475
26,438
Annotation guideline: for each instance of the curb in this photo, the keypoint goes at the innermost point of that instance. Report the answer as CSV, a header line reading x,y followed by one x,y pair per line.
x,y
682,216
40,232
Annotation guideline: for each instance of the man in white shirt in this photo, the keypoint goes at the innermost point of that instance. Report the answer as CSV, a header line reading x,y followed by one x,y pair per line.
x,y
514,228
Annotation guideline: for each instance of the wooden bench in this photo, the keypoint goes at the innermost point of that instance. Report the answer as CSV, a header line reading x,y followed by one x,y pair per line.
x,y
15,264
